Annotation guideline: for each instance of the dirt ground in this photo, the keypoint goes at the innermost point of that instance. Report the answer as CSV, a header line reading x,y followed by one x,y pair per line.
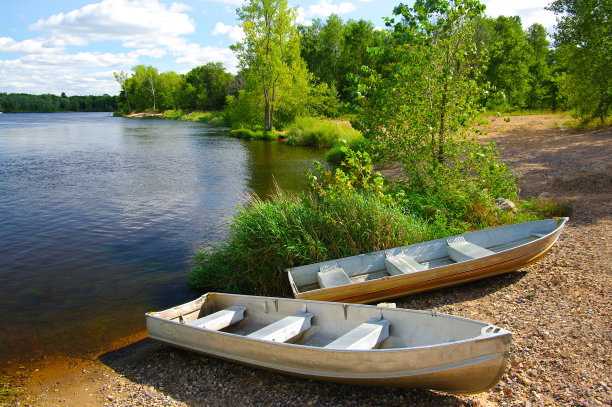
x,y
559,309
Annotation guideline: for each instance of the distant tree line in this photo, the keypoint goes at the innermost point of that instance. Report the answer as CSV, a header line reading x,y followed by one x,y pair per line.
x,y
289,70
25,103
203,88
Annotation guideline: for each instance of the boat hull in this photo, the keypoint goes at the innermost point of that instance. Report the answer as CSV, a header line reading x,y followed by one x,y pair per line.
x,y
468,365
433,278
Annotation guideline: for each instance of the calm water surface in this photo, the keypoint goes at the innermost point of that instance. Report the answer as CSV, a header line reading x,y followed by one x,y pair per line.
x,y
99,217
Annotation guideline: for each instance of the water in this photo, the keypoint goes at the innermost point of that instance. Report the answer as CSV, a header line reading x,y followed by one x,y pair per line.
x,y
99,217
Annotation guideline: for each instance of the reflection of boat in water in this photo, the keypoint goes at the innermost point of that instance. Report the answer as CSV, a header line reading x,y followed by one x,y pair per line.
x,y
426,266
350,343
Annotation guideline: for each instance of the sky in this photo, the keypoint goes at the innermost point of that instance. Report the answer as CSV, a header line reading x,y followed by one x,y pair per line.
x,y
75,46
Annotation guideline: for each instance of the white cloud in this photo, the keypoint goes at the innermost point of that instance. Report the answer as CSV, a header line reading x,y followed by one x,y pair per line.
x,y
231,2
34,46
530,11
325,8
195,55
138,23
236,33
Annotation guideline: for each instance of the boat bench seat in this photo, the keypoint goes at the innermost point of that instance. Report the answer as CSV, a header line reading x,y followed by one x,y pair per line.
x,y
333,276
366,336
220,319
402,264
464,250
285,329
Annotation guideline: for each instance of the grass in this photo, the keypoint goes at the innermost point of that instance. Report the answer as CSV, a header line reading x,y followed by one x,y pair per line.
x,y
249,134
589,124
213,118
269,236
315,132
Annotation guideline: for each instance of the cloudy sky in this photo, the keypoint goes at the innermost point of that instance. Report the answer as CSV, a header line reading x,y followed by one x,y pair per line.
x,y
74,46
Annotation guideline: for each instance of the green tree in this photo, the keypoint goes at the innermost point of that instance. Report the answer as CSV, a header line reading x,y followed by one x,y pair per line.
x,y
418,110
270,52
508,67
171,85
584,43
121,78
539,72
146,81
211,84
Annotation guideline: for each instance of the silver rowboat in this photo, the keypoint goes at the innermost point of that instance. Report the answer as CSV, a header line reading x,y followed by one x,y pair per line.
x,y
351,343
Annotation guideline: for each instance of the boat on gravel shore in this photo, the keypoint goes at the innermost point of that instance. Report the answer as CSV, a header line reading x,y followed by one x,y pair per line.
x,y
426,266
358,344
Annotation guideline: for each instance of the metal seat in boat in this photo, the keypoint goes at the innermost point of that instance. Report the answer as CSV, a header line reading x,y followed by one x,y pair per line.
x,y
402,264
332,276
220,319
366,336
285,329
460,250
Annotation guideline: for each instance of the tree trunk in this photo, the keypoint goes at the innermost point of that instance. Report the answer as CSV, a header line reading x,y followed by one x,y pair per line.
x,y
267,111
441,131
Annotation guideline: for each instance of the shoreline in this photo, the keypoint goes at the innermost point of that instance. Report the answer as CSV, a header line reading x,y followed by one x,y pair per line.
x,y
558,309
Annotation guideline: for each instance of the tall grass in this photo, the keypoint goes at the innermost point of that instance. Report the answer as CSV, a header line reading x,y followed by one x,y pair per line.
x,y
269,236
310,131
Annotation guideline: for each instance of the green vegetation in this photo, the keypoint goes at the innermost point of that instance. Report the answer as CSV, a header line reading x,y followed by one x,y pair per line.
x,y
346,212
24,103
584,46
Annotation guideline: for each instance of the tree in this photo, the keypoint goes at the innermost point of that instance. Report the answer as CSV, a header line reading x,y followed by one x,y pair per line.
x,y
122,78
539,71
417,110
270,52
508,67
211,84
147,79
171,85
584,43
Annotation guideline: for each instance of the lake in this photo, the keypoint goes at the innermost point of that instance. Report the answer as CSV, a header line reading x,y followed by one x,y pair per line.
x,y
100,216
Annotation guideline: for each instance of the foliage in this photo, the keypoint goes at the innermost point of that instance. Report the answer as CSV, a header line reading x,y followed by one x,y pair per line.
x,y
334,51
269,55
204,88
310,131
584,43
24,103
342,216
209,86
509,58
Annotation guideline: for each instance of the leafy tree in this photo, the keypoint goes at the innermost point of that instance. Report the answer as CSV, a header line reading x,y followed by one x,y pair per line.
x,y
584,43
145,81
539,72
121,78
509,58
270,53
209,86
171,85
417,110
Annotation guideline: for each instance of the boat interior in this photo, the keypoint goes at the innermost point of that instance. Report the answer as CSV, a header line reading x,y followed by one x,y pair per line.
x,y
335,326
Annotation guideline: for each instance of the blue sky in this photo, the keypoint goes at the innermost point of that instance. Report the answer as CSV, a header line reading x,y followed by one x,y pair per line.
x,y
75,46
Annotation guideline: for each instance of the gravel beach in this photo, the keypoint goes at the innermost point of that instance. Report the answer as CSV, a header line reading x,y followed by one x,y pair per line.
x,y
559,310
